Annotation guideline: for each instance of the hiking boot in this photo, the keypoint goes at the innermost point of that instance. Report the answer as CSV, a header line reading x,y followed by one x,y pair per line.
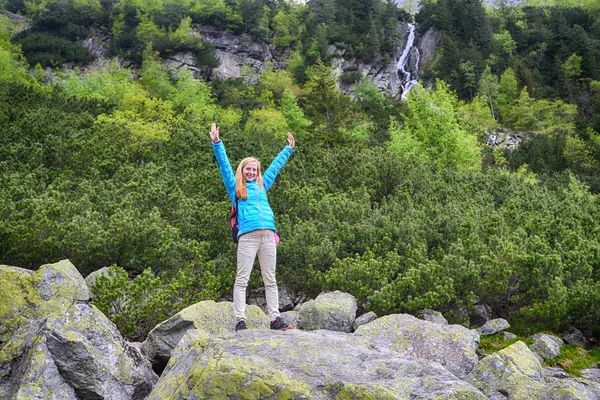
x,y
241,325
280,325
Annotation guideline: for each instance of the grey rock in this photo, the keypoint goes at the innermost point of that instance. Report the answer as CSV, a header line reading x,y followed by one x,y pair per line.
x,y
184,60
574,336
507,336
593,374
493,326
554,372
334,311
238,54
513,371
55,345
505,138
574,388
257,298
301,365
209,316
291,317
555,339
453,346
364,319
95,360
546,346
433,316
428,45
61,280
480,314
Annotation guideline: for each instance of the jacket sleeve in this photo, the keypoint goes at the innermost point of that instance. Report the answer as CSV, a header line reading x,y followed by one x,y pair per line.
x,y
225,169
278,163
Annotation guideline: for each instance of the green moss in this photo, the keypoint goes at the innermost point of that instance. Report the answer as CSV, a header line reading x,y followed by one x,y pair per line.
x,y
574,358
17,285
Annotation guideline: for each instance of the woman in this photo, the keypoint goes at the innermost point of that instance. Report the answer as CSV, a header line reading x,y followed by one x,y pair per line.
x,y
247,190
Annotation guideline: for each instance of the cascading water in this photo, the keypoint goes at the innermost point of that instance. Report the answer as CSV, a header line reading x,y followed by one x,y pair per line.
x,y
407,73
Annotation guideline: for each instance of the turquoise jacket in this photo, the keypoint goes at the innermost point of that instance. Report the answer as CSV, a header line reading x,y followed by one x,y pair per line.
x,y
255,212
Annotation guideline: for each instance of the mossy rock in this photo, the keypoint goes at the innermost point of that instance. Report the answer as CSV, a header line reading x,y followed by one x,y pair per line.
x,y
209,316
453,346
297,364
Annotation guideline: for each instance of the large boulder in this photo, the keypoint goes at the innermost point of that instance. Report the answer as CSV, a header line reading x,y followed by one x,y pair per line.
x,y
513,371
300,365
334,311
433,316
55,345
364,319
493,326
209,316
546,346
453,346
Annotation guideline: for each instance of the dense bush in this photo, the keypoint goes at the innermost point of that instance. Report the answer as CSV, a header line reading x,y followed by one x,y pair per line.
x,y
398,203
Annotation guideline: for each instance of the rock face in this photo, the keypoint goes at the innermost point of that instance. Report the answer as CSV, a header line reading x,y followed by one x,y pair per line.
x,y
516,373
334,311
364,319
433,316
211,317
301,365
55,345
453,346
546,346
236,52
493,326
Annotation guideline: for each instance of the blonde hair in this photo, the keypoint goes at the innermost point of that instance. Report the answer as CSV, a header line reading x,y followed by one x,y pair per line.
x,y
240,182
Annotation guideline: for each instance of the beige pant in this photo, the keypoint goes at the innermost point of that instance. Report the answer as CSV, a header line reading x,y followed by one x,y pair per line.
x,y
261,243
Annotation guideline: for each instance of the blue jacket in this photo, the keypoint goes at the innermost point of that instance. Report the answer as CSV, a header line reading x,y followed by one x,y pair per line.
x,y
255,212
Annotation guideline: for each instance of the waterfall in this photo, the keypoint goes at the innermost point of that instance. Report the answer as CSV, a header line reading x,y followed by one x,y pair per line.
x,y
408,78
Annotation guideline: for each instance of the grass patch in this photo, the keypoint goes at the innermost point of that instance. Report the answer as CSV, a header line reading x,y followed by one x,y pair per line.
x,y
490,344
574,358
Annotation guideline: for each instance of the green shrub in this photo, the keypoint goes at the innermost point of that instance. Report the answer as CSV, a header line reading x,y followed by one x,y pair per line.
x,y
137,305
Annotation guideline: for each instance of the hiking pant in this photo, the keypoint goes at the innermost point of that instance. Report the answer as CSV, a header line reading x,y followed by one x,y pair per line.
x,y
249,246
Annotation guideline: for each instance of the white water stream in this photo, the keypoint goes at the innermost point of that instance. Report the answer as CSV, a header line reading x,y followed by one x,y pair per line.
x,y
407,80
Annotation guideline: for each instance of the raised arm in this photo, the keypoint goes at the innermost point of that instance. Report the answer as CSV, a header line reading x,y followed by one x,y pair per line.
x,y
224,166
279,161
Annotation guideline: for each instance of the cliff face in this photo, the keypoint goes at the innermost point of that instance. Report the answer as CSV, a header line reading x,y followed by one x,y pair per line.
x,y
243,56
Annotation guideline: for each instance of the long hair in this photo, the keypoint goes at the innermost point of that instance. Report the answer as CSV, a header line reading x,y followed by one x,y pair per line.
x,y
240,183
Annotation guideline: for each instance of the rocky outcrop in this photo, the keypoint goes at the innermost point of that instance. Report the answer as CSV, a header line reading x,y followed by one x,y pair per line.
x,y
239,55
493,326
364,319
335,311
433,316
55,345
301,365
210,317
453,346
546,346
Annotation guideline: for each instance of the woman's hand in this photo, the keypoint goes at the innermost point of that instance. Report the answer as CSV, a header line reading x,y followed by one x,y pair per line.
x,y
291,140
214,133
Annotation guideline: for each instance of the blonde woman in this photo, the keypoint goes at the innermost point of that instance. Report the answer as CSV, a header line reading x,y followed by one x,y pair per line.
x,y
247,190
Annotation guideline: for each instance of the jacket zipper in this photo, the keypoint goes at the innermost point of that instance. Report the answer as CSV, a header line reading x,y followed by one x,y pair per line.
x,y
262,222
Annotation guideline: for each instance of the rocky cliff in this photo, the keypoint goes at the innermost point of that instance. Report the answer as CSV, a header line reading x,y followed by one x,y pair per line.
x,y
242,56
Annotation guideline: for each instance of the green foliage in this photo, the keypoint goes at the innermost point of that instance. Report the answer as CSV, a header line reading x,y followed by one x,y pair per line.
x,y
382,198
432,131
137,305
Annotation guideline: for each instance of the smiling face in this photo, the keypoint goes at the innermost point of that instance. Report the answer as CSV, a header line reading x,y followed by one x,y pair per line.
x,y
250,171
